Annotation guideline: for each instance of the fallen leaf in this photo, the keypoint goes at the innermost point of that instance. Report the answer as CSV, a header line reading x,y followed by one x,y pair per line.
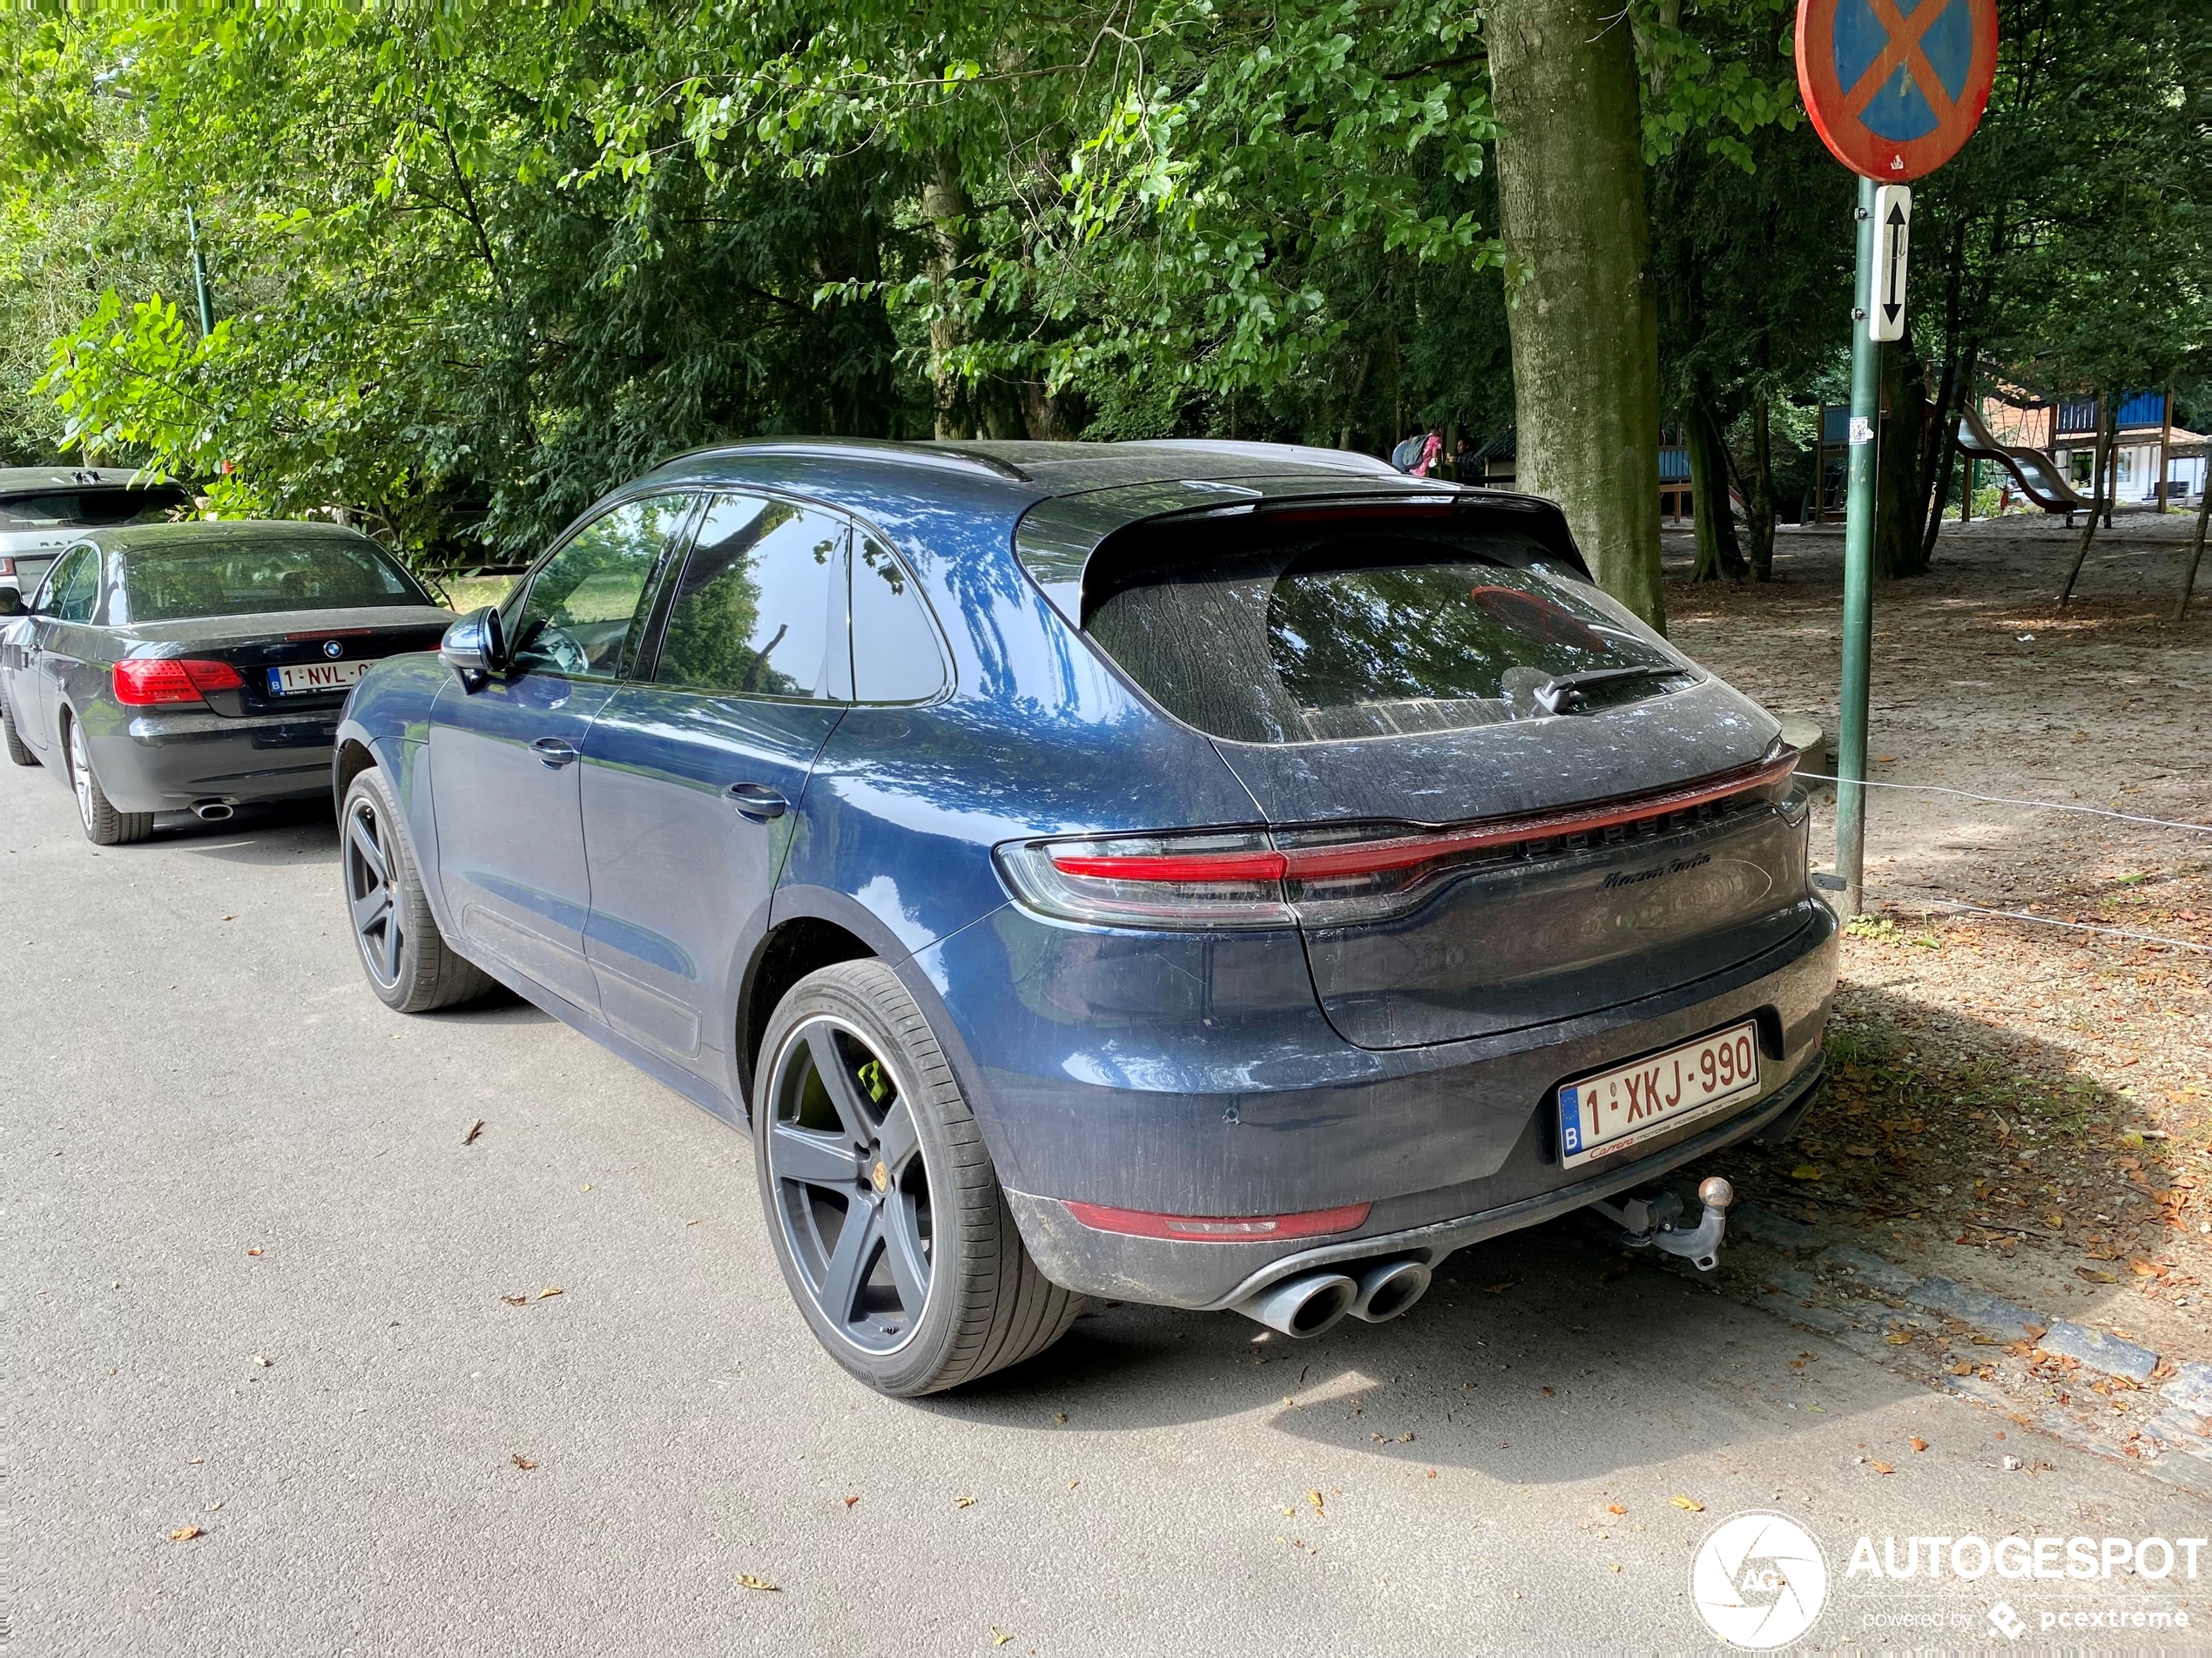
x,y
587,1185
1615,1508
261,1360
554,1290
1431,1473
475,1129
1497,1289
1804,1171
1858,1151
516,1300
2093,1275
1059,1417
522,1462
998,1640
963,1502
1918,1443
1314,1497
1898,1337
849,1501
1549,1394
1688,1505
254,1248
748,1580
1881,1467
185,1533
1610,1567
1885,760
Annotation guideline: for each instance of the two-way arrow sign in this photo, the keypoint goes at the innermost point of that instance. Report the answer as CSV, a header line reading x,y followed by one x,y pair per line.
x,y
1892,235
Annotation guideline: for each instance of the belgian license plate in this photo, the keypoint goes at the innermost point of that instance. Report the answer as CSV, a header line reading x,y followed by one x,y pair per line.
x,y
1614,1110
306,677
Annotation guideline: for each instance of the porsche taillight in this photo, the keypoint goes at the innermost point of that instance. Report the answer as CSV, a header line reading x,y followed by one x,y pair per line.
x,y
1344,875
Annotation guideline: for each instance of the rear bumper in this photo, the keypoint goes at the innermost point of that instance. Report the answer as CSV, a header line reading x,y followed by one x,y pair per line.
x,y
1196,1077
1204,1277
159,761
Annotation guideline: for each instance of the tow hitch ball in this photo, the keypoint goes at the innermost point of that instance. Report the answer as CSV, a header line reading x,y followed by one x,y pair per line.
x,y
1656,1222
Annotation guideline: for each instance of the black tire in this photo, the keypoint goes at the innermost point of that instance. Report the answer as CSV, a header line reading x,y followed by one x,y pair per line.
x,y
407,962
103,825
985,1305
18,749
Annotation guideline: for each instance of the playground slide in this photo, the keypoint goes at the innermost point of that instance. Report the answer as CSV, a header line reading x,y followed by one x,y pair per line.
x,y
2037,474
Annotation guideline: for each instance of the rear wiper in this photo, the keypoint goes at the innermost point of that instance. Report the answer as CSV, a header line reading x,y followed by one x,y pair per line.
x,y
1563,691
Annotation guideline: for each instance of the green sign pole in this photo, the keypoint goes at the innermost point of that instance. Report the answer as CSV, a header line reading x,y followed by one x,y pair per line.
x,y
200,273
1858,571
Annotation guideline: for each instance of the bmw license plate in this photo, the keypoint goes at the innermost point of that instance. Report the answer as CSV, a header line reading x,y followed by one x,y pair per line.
x,y
1619,1109
305,676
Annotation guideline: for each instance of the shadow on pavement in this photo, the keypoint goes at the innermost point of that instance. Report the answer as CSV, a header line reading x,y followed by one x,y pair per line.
x,y
1540,1357
289,833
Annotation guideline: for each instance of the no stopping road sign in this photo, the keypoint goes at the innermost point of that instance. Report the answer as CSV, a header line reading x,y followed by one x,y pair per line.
x,y
1895,88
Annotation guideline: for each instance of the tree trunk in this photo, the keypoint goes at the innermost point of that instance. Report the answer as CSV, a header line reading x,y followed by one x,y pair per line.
x,y
1585,323
1758,498
1717,554
2196,552
2104,456
944,204
1901,489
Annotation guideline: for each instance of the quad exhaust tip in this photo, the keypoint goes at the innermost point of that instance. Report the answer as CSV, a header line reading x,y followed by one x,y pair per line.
x,y
1303,1307
1313,1302
212,810
1388,1288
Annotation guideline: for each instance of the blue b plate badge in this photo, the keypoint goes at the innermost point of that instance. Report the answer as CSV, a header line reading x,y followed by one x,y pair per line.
x,y
1609,1113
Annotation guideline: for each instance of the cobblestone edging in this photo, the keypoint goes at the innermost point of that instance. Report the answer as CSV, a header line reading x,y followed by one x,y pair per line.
x,y
2095,1390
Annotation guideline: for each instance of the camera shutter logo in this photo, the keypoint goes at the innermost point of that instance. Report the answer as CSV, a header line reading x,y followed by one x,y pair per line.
x,y
1759,1581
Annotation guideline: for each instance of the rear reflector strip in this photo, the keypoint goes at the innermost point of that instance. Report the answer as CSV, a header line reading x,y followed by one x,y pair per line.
x,y
1221,1228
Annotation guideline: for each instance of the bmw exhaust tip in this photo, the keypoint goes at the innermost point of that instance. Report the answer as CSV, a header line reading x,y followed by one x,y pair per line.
x,y
212,810
1303,1307
1388,1288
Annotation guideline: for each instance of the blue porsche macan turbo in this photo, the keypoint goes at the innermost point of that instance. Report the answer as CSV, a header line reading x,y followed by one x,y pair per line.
x,y
1211,874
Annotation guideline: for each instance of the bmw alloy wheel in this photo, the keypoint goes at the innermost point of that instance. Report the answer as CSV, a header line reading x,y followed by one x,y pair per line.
x,y
850,1184
80,775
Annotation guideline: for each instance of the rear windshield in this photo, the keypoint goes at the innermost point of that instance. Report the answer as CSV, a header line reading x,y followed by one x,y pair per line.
x,y
93,508
1371,634
255,577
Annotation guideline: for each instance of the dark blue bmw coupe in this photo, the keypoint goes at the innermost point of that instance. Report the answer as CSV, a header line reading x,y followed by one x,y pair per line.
x,y
1212,875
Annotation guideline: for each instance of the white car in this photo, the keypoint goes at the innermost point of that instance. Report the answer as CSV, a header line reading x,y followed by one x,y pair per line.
x,y
43,508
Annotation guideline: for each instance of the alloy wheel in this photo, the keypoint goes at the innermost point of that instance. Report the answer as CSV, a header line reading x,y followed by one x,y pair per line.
x,y
369,893
80,774
851,1185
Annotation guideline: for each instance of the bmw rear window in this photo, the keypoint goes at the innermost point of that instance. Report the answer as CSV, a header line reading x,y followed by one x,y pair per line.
x,y
258,578
1364,632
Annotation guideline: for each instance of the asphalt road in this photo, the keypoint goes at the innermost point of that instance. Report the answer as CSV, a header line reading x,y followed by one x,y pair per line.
x,y
220,1149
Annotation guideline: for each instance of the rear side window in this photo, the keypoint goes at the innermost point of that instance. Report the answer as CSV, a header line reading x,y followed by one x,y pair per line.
x,y
1365,634
894,649
94,508
257,578
73,589
760,603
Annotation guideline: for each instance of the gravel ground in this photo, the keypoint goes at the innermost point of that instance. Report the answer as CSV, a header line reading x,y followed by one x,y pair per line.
x,y
2018,1107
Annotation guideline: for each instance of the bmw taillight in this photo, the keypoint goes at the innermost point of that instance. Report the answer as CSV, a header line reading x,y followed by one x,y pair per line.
x,y
1346,875
143,682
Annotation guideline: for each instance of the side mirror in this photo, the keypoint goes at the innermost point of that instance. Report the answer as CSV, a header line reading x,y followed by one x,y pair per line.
x,y
474,647
11,600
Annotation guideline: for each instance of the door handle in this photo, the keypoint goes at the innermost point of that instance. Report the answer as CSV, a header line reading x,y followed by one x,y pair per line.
x,y
757,801
555,751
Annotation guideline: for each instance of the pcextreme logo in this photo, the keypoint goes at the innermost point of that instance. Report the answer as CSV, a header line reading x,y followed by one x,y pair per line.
x,y
1758,1581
